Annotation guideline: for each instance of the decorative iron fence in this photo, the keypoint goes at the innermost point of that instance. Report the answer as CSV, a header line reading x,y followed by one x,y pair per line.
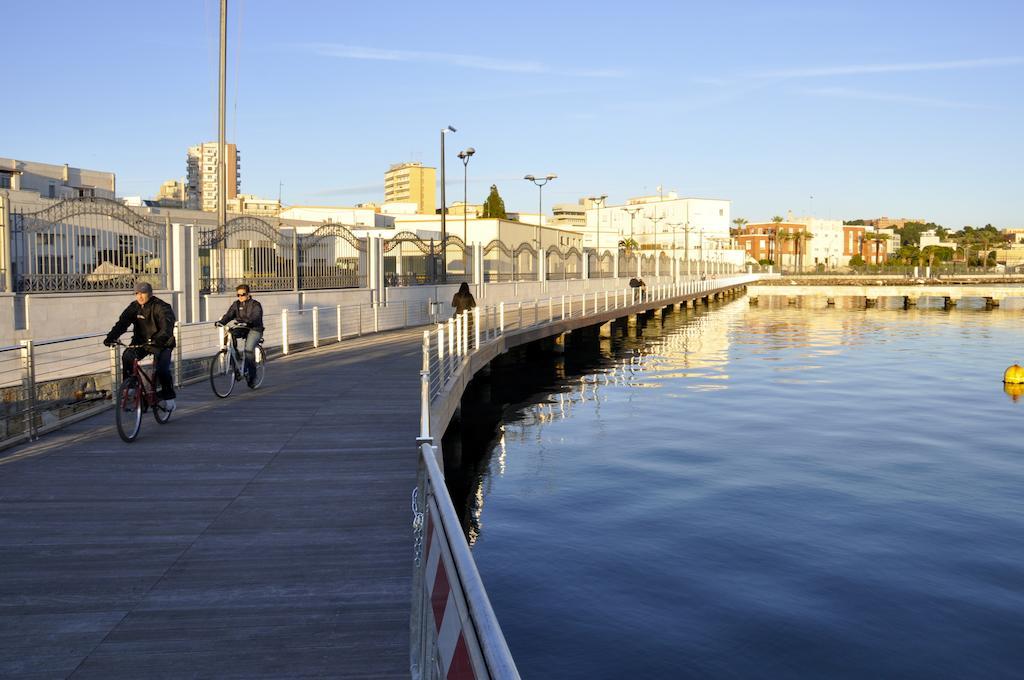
x,y
252,251
87,244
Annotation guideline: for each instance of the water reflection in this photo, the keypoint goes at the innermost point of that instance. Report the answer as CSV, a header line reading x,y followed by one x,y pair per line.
x,y
819,492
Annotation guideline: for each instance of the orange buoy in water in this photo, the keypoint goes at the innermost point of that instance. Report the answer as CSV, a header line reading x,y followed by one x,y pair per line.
x,y
1014,375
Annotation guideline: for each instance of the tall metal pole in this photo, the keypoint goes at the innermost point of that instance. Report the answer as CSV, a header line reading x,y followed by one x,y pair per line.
x,y
444,225
222,204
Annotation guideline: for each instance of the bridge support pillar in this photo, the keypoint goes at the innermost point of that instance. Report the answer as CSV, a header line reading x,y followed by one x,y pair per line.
x,y
605,330
558,344
909,301
632,320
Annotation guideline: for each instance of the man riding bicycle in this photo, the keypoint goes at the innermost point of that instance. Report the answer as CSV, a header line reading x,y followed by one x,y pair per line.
x,y
248,314
152,320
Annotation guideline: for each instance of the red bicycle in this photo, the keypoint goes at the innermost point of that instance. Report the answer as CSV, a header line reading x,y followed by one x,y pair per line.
x,y
137,394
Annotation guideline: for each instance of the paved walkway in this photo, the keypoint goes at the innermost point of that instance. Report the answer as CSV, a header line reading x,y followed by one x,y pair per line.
x,y
267,534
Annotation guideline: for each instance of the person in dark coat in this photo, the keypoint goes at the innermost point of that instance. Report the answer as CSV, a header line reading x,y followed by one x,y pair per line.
x,y
463,300
248,314
152,322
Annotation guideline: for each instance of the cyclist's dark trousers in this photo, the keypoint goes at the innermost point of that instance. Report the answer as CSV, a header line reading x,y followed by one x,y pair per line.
x,y
163,368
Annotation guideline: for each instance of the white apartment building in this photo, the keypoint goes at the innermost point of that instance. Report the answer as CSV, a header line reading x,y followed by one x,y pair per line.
x,y
656,222
827,245
249,204
201,170
55,181
367,218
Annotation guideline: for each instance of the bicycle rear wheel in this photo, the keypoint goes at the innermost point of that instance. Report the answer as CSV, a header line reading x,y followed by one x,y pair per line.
x,y
128,409
261,367
222,373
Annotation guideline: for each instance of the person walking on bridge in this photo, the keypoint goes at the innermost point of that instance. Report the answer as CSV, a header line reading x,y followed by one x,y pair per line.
x,y
463,300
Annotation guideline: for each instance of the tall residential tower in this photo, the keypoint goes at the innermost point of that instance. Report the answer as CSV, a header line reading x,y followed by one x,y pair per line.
x,y
411,183
202,175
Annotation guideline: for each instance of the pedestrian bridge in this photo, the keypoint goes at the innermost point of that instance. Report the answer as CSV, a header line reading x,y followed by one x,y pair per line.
x,y
268,534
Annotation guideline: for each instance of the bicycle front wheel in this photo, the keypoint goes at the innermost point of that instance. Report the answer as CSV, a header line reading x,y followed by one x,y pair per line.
x,y
222,373
261,368
128,409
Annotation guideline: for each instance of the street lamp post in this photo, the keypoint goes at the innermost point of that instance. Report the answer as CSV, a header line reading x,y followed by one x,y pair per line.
x,y
444,211
465,155
598,201
540,182
675,257
632,213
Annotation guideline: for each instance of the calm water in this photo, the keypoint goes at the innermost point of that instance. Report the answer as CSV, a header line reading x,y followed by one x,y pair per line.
x,y
752,492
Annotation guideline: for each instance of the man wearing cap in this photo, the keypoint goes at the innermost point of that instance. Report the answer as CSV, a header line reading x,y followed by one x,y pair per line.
x,y
153,322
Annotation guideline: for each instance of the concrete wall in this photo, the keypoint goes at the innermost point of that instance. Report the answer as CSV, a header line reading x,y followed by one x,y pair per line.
x,y
58,315
7,332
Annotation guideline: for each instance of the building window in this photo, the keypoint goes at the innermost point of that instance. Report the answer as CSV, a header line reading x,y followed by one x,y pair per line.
x,y
721,212
5,181
52,193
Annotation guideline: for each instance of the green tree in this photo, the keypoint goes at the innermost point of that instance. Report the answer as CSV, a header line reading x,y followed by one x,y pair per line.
x,y
856,261
628,245
494,206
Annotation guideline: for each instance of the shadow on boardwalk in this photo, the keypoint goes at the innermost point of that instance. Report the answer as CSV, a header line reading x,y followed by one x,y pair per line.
x,y
266,534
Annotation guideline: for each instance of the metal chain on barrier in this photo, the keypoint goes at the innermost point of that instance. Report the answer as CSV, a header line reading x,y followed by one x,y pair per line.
x,y
417,527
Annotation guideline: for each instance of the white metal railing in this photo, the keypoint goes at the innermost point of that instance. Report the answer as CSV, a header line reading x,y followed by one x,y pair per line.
x,y
442,554
46,384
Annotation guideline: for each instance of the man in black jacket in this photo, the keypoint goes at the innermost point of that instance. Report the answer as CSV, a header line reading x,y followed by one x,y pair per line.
x,y
247,313
152,320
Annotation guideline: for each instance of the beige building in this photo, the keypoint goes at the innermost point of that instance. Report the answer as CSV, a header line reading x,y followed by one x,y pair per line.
x,y
201,163
55,181
459,208
247,204
894,222
569,215
411,183
173,194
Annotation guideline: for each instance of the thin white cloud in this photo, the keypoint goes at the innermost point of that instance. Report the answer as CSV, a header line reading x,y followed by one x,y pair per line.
x,y
908,67
863,95
462,60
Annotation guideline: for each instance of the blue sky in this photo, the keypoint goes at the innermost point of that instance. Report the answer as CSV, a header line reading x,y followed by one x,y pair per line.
x,y
896,108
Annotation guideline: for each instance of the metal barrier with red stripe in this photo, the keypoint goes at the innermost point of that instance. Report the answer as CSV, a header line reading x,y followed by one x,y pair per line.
x,y
455,634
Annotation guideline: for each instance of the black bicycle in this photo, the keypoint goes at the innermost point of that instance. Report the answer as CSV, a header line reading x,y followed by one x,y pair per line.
x,y
226,365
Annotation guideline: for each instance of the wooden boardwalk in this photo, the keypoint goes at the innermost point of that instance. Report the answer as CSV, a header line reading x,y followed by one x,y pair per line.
x,y
264,535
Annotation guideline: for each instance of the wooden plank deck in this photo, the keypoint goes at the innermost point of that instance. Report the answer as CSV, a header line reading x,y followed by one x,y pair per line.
x,y
263,535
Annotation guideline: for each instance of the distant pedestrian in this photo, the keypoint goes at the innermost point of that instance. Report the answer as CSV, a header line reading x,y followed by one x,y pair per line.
x,y
639,288
463,300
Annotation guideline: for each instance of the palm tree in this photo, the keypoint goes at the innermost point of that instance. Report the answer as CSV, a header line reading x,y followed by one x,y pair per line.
x,y
802,237
785,236
629,245
777,220
878,239
740,222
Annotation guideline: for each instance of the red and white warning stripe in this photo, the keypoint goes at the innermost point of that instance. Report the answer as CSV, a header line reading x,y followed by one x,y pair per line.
x,y
448,609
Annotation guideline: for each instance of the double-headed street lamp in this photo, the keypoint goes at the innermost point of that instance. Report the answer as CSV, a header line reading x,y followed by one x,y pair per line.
x,y
465,155
444,211
540,182
675,258
598,201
